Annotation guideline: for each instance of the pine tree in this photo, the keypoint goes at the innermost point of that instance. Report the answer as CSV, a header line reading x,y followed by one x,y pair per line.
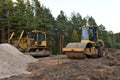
x,y
74,37
76,21
92,22
6,7
62,21
29,16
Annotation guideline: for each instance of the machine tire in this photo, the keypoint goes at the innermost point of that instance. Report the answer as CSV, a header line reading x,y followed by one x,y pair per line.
x,y
100,51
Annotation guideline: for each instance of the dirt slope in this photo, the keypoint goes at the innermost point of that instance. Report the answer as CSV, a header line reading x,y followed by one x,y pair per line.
x,y
12,61
105,68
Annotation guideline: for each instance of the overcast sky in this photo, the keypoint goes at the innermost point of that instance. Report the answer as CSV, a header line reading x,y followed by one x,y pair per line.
x,y
106,12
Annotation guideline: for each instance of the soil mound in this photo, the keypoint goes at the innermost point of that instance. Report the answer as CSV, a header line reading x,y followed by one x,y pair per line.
x,y
12,61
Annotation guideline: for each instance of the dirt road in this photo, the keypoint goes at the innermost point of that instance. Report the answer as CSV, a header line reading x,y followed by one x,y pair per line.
x,y
105,68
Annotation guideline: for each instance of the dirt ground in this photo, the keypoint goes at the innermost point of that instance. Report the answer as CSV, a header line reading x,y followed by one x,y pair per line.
x,y
62,68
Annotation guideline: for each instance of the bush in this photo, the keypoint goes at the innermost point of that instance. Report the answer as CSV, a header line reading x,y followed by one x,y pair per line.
x,y
116,46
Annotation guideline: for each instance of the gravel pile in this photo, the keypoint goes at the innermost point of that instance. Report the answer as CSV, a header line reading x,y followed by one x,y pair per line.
x,y
12,61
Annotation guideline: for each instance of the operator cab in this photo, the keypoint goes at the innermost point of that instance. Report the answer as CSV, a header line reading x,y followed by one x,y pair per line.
x,y
37,36
89,33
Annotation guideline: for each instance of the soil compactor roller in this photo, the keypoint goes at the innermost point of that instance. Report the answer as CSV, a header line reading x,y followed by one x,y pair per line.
x,y
89,46
33,44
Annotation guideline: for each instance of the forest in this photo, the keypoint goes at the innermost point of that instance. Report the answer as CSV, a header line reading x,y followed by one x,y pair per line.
x,y
29,15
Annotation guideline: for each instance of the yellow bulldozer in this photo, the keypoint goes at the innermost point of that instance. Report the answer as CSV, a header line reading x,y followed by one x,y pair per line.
x,y
89,46
33,44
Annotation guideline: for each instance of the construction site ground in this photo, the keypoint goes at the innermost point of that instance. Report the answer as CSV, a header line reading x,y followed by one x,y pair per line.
x,y
62,68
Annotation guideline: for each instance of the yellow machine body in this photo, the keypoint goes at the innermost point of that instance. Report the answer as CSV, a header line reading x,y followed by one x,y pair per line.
x,y
34,43
90,45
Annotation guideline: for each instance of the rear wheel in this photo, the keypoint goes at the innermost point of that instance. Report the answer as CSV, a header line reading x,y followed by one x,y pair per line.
x,y
100,51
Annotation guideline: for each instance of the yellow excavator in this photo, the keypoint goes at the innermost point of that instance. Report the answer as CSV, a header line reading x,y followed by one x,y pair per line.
x,y
33,44
89,46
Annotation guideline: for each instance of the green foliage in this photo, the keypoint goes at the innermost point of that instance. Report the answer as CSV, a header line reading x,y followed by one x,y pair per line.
x,y
92,22
6,13
111,40
103,34
61,21
74,37
76,20
116,40
16,16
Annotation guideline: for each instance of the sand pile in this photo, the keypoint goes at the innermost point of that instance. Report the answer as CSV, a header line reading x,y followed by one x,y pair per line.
x,y
12,61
